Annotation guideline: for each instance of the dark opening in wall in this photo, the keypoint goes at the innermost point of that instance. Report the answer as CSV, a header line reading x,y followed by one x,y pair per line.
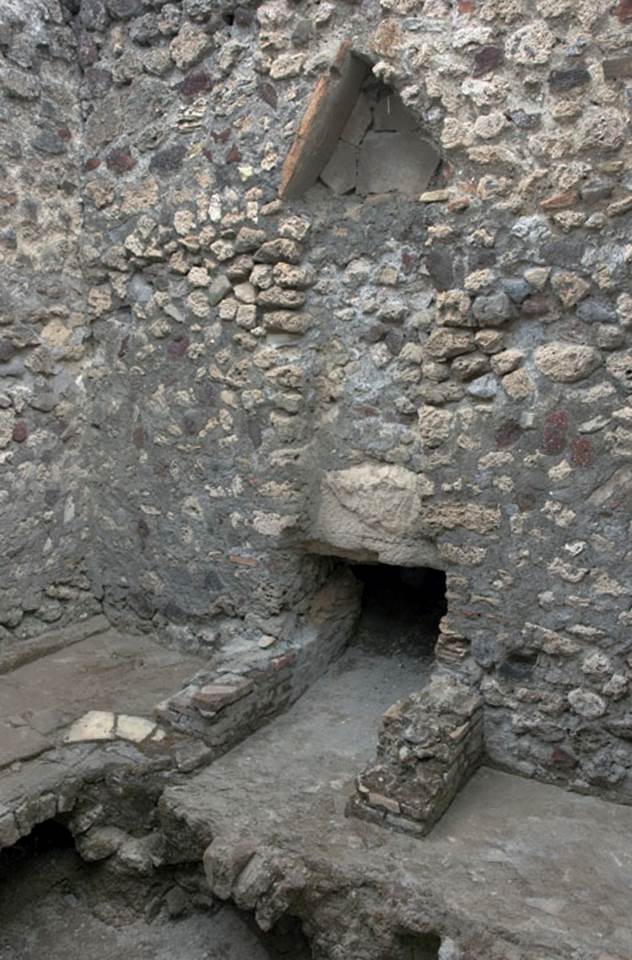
x,y
423,946
44,838
401,608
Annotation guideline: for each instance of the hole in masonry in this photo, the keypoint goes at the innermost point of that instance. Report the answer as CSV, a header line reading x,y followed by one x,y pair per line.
x,y
420,946
401,608
55,906
358,137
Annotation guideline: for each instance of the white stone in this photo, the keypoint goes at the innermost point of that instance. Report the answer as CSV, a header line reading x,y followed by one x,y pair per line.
x,y
94,725
135,729
587,704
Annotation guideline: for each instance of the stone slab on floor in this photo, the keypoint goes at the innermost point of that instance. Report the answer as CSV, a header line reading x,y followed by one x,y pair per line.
x,y
546,870
108,671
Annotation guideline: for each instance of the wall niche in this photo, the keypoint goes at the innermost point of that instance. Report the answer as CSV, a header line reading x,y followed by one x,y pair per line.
x,y
358,137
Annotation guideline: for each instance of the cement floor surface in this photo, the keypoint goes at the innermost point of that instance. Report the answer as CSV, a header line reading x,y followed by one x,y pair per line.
x,y
544,868
107,671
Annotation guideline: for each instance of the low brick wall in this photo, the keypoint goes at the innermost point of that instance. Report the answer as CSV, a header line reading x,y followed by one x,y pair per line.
x,y
429,745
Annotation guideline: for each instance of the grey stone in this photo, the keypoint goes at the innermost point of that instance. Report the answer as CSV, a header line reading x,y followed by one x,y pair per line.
x,y
596,311
93,15
483,388
401,162
340,172
596,190
17,84
391,114
219,287
492,311
124,9
516,288
358,122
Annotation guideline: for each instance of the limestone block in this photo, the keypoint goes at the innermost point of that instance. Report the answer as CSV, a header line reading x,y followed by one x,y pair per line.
x,y
402,162
566,362
620,367
587,704
288,275
468,516
286,321
135,729
443,344
569,286
9,833
374,507
470,367
453,309
94,725
189,46
434,426
506,361
100,842
518,384
340,173
7,420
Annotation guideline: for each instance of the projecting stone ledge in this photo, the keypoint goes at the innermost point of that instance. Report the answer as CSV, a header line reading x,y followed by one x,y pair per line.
x,y
428,747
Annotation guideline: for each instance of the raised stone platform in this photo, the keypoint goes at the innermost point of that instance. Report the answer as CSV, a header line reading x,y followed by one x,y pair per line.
x,y
81,702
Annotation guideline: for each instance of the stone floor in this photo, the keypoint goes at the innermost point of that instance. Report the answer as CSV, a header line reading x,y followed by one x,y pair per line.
x,y
547,869
107,671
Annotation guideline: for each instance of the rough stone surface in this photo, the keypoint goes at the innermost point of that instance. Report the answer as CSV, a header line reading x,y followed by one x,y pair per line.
x,y
188,455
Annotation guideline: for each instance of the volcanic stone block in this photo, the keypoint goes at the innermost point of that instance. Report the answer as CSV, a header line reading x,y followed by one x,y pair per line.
x,y
402,162
340,173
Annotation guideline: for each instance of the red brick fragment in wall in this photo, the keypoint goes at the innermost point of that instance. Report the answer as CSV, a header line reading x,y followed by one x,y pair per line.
x,y
554,435
558,201
486,60
120,161
466,6
582,452
562,758
507,434
20,431
196,83
623,10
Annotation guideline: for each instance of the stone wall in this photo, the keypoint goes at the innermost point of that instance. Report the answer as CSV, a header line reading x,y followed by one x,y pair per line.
x,y
253,358
43,325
